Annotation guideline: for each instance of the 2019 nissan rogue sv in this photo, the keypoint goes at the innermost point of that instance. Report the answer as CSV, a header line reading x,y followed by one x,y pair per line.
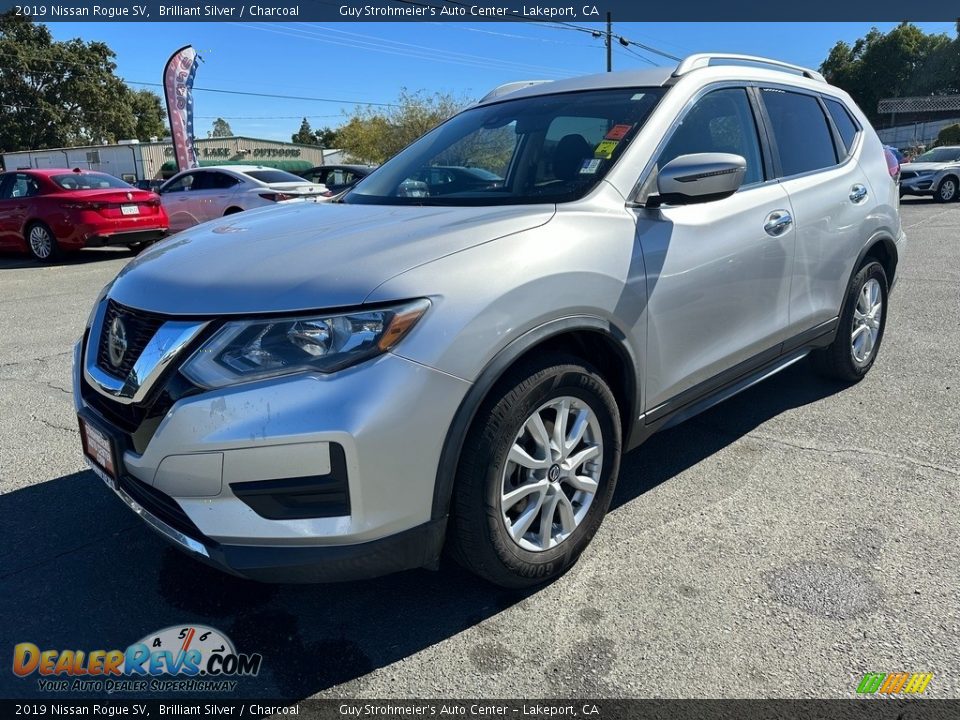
x,y
332,391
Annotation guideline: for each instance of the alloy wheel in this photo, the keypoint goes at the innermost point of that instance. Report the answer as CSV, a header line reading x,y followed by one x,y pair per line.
x,y
552,474
867,316
948,190
41,244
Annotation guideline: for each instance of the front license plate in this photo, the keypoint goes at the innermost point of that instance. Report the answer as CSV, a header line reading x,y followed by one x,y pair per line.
x,y
130,209
98,447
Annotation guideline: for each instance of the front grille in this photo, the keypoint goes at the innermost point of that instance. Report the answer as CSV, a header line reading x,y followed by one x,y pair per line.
x,y
907,174
138,422
140,327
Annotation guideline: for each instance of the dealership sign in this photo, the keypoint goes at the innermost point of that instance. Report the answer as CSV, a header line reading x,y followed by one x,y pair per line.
x,y
186,658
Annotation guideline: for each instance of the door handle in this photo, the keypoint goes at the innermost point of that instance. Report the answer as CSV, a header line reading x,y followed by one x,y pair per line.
x,y
778,222
858,193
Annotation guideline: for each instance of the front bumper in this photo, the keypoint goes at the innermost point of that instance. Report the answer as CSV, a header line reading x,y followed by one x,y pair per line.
x,y
388,417
918,186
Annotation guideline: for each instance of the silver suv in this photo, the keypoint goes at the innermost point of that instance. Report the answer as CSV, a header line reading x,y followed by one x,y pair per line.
x,y
935,173
455,354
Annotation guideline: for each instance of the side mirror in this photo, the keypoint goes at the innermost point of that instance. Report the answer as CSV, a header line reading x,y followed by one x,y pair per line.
x,y
698,178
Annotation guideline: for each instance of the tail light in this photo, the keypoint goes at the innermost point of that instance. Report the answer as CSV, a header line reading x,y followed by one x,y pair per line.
x,y
277,196
81,205
893,165
327,193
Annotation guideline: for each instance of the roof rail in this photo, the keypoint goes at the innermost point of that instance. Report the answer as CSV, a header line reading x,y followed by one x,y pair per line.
x,y
702,60
511,87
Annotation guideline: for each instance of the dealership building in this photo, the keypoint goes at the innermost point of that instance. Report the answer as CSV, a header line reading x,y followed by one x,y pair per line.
x,y
132,160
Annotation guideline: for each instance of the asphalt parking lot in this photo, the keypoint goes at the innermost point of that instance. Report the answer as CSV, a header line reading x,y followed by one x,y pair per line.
x,y
780,545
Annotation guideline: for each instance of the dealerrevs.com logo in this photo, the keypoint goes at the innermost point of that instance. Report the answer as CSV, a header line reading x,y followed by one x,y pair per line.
x,y
182,658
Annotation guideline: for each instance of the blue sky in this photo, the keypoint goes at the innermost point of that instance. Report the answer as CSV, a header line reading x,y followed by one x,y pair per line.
x,y
370,62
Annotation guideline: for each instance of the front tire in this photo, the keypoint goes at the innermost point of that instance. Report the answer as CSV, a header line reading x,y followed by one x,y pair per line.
x,y
42,243
947,190
537,473
862,322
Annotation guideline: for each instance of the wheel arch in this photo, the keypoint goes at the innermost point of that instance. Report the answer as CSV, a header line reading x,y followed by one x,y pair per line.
x,y
592,339
883,249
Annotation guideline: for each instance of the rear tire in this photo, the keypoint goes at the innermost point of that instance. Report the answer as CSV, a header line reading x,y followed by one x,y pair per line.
x,y
537,473
42,243
232,211
863,319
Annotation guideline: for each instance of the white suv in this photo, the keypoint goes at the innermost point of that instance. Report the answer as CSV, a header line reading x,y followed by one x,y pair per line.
x,y
456,352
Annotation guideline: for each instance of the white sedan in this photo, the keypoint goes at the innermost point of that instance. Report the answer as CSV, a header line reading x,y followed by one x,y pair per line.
x,y
202,194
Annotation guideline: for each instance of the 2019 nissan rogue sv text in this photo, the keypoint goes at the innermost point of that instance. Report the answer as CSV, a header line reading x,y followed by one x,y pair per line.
x,y
332,391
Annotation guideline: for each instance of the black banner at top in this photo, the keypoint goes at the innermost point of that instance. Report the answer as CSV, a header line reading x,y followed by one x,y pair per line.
x,y
478,10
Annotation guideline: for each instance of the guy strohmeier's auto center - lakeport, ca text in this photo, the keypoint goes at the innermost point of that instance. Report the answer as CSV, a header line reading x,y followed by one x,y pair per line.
x,y
148,11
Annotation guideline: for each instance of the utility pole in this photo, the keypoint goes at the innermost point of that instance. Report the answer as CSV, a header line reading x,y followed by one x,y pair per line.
x,y
609,43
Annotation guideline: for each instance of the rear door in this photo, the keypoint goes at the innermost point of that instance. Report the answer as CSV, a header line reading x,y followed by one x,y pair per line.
x,y
211,193
829,195
717,273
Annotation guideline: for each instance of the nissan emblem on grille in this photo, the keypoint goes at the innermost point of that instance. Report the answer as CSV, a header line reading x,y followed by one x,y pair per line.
x,y
117,341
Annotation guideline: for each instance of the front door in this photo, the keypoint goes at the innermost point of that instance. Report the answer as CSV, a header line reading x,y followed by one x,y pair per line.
x,y
717,273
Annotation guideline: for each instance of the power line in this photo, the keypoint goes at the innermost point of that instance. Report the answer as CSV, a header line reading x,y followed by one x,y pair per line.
x,y
559,25
391,47
200,89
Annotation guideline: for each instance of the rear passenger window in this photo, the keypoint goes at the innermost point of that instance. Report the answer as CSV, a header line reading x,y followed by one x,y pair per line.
x,y
845,124
721,122
803,136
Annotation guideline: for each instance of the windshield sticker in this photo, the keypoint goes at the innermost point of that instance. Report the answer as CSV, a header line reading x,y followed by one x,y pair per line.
x,y
590,166
605,149
639,96
617,132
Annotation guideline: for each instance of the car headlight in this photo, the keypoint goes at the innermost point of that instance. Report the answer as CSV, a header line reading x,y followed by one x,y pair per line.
x,y
245,350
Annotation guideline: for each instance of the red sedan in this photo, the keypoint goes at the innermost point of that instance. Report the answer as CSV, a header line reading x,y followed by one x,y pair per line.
x,y
49,212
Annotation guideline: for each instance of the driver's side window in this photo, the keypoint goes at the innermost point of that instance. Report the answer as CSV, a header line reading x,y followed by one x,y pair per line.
x,y
722,121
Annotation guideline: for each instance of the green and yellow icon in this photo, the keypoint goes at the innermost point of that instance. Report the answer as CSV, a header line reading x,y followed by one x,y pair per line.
x,y
894,683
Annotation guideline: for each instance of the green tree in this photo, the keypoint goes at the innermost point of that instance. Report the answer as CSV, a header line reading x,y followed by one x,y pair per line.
x,y
221,128
327,138
950,135
149,115
305,135
58,93
903,62
373,135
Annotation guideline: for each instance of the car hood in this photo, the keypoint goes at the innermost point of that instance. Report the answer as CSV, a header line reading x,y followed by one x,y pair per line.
x,y
304,256
926,166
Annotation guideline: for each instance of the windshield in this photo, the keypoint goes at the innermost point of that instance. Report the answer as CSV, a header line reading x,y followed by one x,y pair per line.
x,y
546,148
89,181
940,155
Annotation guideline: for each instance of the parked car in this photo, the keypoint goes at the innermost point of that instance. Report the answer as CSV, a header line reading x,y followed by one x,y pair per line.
x,y
342,390
52,211
195,196
153,185
935,173
338,178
